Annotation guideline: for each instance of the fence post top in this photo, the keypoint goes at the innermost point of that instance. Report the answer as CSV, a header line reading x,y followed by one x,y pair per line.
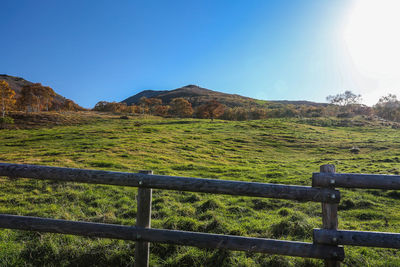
x,y
327,168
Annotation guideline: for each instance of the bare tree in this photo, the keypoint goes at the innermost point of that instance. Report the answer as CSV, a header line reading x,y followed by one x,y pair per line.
x,y
345,99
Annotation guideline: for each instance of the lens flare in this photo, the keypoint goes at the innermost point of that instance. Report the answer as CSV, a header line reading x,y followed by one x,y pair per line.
x,y
372,37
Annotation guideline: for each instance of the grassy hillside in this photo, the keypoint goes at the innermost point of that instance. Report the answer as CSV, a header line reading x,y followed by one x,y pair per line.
x,y
276,150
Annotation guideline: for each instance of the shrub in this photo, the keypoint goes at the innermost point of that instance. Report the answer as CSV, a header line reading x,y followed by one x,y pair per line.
x,y
344,115
6,120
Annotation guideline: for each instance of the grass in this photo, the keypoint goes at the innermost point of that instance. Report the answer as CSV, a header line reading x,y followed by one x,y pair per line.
x,y
283,151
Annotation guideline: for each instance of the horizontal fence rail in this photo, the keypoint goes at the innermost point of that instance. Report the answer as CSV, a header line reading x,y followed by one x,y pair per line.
x,y
301,193
203,240
357,238
355,180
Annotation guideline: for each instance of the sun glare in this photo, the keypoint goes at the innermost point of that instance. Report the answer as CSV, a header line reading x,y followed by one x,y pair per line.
x,y
372,36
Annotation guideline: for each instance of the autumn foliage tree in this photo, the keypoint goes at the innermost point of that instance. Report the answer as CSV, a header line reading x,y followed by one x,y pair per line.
x,y
70,105
211,110
181,107
161,110
7,97
110,107
34,97
46,95
26,100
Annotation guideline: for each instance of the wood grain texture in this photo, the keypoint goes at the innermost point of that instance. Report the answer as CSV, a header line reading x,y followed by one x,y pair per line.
x,y
355,180
202,240
301,193
329,213
357,238
143,219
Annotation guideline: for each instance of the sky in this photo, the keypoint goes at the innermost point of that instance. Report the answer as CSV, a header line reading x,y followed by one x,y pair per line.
x,y
91,51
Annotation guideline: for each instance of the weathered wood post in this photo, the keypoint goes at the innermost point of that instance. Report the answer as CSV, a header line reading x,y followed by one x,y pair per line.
x,y
143,219
329,213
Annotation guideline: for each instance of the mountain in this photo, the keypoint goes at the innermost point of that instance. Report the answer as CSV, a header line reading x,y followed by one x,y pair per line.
x,y
146,93
16,84
198,95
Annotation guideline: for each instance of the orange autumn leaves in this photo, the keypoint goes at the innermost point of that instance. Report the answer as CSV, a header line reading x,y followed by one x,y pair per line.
x,y
7,98
34,97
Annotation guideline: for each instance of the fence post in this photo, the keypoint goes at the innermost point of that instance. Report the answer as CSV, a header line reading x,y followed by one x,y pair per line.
x,y
329,213
143,219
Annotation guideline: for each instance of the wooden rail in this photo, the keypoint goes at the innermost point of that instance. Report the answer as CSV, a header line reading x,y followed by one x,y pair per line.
x,y
326,241
302,193
203,240
356,180
357,238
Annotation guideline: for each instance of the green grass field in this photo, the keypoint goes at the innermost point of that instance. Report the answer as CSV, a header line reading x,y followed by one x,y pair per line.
x,y
283,151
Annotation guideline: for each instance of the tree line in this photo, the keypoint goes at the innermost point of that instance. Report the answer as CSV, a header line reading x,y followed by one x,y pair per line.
x,y
33,97
344,105
212,109
178,107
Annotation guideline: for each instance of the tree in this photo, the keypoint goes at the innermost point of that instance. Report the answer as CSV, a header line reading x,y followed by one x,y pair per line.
x,y
388,107
161,110
70,105
149,105
133,109
143,104
34,96
111,107
153,104
26,100
7,97
181,107
47,95
100,106
347,98
211,110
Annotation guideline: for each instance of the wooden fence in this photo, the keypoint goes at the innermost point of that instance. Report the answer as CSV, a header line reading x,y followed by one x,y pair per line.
x,y
326,241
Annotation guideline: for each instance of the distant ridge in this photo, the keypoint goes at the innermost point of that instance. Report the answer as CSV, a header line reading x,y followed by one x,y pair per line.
x,y
198,95
299,102
16,84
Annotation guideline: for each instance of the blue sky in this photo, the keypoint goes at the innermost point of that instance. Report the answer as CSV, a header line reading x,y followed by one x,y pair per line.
x,y
109,50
